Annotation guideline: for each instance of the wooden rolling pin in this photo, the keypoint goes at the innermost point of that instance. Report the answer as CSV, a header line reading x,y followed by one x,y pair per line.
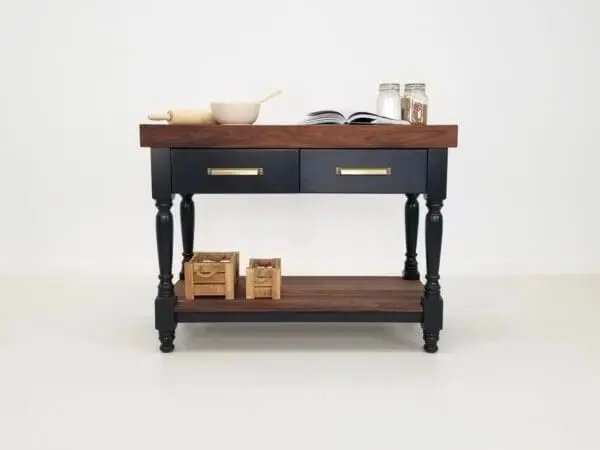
x,y
184,116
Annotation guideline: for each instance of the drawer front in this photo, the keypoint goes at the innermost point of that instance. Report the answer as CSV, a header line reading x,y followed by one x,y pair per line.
x,y
363,171
217,171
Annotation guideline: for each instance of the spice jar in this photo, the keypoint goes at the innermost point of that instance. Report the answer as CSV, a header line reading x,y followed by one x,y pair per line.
x,y
389,101
415,103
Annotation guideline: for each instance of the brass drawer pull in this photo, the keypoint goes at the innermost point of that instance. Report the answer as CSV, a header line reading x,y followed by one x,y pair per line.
x,y
356,171
235,172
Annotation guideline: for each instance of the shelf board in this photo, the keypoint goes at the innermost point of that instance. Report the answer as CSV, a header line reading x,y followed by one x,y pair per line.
x,y
318,295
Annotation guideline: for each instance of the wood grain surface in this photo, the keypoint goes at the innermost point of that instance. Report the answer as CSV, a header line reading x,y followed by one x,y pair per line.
x,y
299,136
351,294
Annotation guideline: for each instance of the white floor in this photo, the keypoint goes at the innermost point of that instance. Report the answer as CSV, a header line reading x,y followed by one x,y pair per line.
x,y
518,368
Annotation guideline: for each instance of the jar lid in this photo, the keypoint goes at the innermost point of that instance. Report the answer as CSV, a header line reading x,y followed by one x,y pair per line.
x,y
410,86
389,87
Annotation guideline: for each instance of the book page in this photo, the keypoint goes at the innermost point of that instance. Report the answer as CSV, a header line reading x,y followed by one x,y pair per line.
x,y
324,117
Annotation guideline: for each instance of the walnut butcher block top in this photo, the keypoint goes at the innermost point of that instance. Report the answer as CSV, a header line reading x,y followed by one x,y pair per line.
x,y
299,136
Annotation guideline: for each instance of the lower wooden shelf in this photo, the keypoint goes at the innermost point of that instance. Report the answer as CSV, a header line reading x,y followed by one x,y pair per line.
x,y
321,299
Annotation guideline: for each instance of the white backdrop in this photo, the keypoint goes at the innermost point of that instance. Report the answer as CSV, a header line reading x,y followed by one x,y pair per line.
x,y
520,78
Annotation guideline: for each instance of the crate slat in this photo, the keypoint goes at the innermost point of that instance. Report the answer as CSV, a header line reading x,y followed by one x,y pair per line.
x,y
263,278
211,274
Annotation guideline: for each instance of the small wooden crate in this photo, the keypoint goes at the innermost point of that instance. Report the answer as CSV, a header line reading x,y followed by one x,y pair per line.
x,y
211,274
263,278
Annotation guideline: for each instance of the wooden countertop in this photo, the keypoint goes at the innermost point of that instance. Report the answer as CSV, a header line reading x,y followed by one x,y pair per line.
x,y
299,136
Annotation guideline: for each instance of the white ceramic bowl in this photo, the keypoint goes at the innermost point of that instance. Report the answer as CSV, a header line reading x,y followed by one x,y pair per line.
x,y
235,113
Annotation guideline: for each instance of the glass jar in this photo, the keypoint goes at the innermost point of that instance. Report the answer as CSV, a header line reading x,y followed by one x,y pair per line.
x,y
389,101
415,103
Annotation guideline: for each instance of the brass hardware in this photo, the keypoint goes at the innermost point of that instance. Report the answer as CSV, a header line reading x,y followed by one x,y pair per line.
x,y
365,171
235,172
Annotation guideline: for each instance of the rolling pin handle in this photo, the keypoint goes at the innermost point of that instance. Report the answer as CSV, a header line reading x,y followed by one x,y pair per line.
x,y
160,116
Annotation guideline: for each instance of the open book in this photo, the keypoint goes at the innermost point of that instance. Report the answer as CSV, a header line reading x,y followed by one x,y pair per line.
x,y
359,117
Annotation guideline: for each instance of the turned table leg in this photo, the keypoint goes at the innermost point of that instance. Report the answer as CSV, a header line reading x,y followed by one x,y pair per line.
x,y
165,300
432,298
164,305
411,225
186,211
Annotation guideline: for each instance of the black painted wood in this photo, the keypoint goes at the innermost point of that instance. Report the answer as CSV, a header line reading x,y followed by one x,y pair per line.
x,y
164,303
412,172
411,226
431,339
186,212
160,166
165,300
432,298
318,171
190,171
301,316
164,242
166,339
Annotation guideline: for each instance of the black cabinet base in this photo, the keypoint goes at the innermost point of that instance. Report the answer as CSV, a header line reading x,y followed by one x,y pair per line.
x,y
302,316
430,337
291,170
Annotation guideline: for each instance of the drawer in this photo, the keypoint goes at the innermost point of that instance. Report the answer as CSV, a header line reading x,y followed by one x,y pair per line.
x,y
243,171
363,171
